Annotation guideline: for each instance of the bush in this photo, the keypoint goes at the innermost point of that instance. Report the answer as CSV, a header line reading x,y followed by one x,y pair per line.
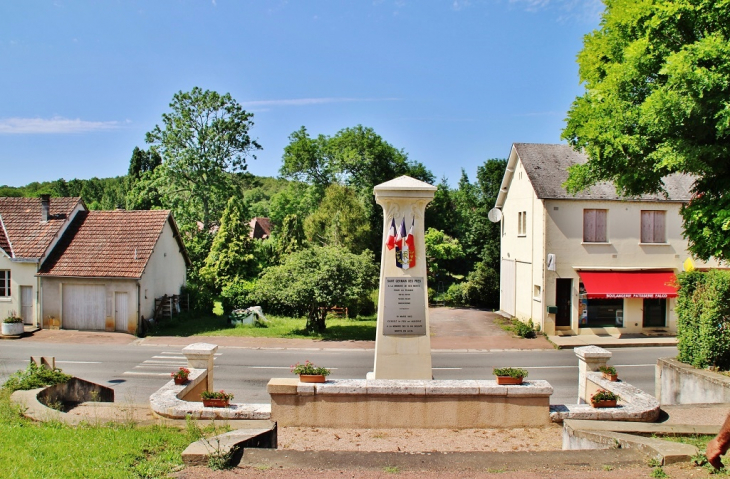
x,y
34,377
523,330
238,295
703,319
454,296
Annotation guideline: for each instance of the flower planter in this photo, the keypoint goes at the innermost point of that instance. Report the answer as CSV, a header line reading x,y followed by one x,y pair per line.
x,y
12,329
312,378
215,402
610,377
611,403
508,380
180,381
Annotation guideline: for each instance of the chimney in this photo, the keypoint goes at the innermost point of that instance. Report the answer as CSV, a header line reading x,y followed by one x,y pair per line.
x,y
45,207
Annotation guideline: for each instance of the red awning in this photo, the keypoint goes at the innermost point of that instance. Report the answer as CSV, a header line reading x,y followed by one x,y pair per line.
x,y
629,284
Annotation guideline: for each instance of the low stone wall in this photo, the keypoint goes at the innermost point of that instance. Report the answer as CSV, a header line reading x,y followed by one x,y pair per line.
x,y
380,403
635,404
75,391
680,383
169,401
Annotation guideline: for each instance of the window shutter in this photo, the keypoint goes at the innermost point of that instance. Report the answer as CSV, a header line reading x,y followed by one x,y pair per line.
x,y
600,226
647,227
589,226
659,228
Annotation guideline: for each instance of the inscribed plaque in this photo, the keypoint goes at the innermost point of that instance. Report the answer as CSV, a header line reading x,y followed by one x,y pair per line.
x,y
405,307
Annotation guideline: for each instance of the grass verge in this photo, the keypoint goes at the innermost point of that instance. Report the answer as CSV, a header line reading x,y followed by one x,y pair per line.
x,y
54,450
338,329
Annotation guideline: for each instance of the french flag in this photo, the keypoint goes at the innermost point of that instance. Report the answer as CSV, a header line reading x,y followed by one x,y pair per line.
x,y
390,242
411,242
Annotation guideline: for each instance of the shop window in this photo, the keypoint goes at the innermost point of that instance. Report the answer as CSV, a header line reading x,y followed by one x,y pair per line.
x,y
594,226
653,228
655,313
4,283
597,313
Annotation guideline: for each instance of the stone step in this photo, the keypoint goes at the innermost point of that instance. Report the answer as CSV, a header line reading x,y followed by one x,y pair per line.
x,y
199,452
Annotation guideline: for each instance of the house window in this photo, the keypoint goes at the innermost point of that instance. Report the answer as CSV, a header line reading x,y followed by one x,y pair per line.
x,y
4,283
653,226
522,223
594,226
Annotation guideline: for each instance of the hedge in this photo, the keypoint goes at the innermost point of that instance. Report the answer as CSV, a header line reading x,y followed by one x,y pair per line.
x,y
703,319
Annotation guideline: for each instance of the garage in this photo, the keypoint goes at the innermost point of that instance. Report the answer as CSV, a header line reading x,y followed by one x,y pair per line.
x,y
84,306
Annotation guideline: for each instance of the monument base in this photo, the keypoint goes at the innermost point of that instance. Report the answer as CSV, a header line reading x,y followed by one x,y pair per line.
x,y
382,403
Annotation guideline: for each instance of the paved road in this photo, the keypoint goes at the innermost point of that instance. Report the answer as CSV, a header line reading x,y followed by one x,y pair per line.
x,y
137,371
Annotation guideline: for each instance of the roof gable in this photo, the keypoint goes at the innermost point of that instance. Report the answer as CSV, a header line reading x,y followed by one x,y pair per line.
x,y
109,244
25,235
547,168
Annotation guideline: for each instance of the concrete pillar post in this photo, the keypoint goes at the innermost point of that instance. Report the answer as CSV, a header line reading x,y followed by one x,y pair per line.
x,y
200,356
590,358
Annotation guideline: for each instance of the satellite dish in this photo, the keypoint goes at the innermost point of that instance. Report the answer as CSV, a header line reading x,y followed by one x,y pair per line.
x,y
495,215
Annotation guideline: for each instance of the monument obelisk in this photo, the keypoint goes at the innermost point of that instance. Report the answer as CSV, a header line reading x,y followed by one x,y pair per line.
x,y
403,342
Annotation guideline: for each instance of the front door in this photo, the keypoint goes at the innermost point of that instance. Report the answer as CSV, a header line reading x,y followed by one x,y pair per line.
x,y
26,304
563,293
655,313
120,312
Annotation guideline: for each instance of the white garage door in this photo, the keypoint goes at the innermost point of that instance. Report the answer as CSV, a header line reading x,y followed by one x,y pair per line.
x,y
84,306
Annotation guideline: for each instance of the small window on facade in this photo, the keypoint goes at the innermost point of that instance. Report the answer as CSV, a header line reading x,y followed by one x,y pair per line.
x,y
4,283
653,228
522,223
594,226
536,291
519,223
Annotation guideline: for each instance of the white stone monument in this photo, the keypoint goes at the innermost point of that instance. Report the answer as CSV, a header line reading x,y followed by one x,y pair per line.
x,y
403,342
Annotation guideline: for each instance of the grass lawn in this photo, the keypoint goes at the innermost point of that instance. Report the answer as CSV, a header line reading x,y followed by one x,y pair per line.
x,y
338,329
54,450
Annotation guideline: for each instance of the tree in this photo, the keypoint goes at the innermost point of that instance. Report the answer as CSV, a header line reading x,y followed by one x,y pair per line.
x,y
339,221
313,280
143,161
231,256
203,140
657,84
357,156
441,249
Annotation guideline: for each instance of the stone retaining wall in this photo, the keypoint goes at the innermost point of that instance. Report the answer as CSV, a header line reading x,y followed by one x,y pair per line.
x,y
380,403
680,383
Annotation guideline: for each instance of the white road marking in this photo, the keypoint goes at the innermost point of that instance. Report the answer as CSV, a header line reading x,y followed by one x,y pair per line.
x,y
134,373
78,362
169,357
455,369
149,361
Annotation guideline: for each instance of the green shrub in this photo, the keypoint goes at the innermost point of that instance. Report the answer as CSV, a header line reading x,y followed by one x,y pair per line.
x,y
510,372
34,377
703,319
523,330
454,296
238,295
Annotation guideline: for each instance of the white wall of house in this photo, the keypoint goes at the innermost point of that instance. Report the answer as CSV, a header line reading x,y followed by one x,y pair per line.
x,y
116,316
522,242
165,272
21,274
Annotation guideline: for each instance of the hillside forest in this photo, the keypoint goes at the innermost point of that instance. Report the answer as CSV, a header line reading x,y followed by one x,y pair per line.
x,y
326,230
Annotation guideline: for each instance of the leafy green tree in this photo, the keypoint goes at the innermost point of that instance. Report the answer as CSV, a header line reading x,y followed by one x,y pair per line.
x,y
143,161
203,139
441,250
313,280
657,83
441,212
231,255
290,237
340,221
357,156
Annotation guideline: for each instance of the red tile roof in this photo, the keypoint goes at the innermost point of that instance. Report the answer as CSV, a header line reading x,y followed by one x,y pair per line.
x,y
26,236
260,227
108,244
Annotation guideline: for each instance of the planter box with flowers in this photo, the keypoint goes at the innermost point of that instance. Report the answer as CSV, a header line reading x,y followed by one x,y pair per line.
x,y
609,372
509,376
604,398
310,373
216,398
180,376
13,325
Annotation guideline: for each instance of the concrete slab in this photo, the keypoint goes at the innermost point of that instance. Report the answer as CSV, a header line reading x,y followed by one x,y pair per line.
x,y
199,452
633,341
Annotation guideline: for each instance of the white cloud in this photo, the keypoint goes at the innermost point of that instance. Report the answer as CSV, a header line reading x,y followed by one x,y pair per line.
x,y
57,124
310,101
581,10
460,4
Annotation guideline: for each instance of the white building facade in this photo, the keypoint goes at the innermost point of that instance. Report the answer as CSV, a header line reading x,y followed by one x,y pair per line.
x,y
592,263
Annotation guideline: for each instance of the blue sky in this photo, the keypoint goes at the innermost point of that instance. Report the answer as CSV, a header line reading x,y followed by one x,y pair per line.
x,y
451,82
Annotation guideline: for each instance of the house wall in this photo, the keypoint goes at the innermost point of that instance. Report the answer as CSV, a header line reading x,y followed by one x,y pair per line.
x,y
21,274
165,272
564,238
527,250
52,301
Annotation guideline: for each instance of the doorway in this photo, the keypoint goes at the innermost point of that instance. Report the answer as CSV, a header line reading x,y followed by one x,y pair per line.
x,y
563,295
26,304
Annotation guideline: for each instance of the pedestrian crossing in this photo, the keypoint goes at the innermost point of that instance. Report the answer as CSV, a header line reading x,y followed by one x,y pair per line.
x,y
160,365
